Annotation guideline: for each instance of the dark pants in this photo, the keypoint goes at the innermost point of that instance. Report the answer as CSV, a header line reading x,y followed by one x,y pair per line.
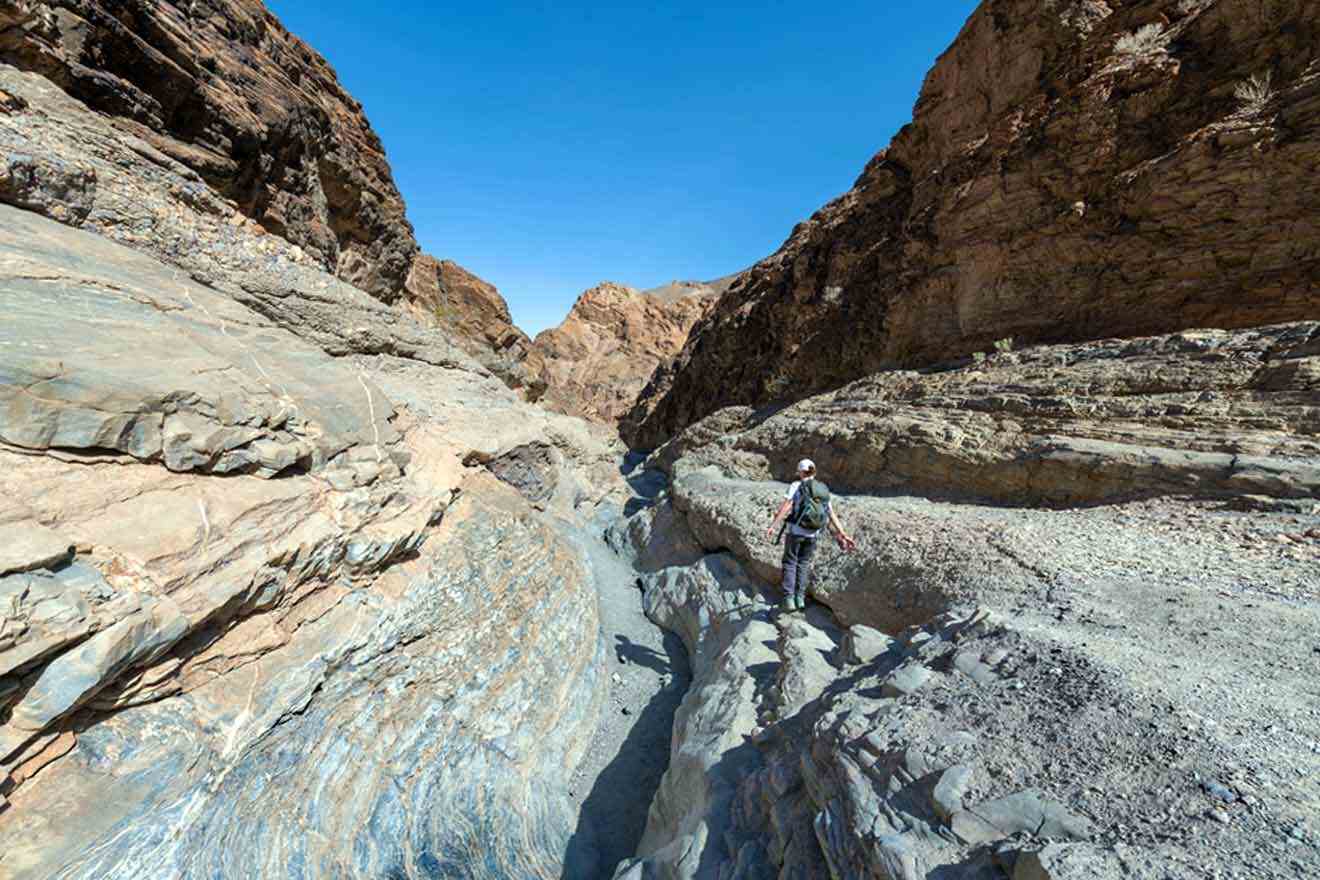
x,y
797,564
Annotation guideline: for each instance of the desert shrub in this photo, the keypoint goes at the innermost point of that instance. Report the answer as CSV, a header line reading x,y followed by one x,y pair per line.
x,y
778,386
1146,40
441,314
1255,93
1004,346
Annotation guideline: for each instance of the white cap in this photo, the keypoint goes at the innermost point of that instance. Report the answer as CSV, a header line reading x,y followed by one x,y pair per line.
x,y
806,464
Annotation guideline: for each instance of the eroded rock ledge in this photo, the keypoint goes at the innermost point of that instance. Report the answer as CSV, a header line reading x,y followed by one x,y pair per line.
x,y
1208,413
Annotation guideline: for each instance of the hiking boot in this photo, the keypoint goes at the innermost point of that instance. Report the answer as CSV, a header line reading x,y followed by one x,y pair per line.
x,y
787,605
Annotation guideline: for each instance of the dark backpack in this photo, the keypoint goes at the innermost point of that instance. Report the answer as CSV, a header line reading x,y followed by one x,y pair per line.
x,y
811,505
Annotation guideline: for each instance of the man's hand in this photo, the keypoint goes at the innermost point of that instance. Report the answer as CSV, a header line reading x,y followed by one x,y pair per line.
x,y
846,543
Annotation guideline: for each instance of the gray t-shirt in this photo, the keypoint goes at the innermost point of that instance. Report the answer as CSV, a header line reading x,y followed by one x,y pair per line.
x,y
793,528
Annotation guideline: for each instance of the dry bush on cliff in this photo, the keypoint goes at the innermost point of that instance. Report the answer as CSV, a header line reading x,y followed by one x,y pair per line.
x,y
1255,93
1146,40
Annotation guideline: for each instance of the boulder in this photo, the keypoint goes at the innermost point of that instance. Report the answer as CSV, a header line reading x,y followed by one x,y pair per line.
x,y
1069,861
1024,811
906,680
863,645
947,796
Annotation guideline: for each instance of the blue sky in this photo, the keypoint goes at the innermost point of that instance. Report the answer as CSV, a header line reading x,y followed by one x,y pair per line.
x,y
548,147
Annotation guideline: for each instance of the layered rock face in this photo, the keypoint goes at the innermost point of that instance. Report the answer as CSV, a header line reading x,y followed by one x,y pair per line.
x,y
613,339
443,293
223,88
1073,171
1205,413
292,584
259,119
270,605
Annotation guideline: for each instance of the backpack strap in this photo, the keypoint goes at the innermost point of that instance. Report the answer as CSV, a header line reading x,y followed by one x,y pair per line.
x,y
800,500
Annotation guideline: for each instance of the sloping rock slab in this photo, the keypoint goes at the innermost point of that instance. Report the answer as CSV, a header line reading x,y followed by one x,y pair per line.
x,y
27,545
103,349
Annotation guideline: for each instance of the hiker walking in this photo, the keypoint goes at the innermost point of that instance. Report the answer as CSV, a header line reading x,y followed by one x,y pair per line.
x,y
807,506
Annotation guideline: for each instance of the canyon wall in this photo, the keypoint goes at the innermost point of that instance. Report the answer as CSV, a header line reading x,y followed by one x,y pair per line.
x,y
265,607
444,294
1073,171
222,88
293,584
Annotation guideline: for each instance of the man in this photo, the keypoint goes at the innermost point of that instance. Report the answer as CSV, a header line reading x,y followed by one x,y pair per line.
x,y
808,502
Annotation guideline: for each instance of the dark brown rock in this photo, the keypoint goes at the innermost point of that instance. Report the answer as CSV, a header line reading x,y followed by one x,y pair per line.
x,y
222,89
443,293
1073,171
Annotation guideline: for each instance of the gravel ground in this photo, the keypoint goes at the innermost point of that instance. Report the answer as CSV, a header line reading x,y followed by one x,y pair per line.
x,y
1210,617
1179,641
1166,682
649,674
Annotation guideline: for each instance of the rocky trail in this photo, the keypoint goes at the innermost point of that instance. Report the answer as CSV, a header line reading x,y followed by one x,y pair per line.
x,y
1106,618
648,677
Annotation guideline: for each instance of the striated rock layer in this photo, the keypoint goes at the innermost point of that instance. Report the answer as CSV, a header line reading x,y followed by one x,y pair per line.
x,y
223,88
613,339
443,293
1206,413
378,663
1073,171
265,608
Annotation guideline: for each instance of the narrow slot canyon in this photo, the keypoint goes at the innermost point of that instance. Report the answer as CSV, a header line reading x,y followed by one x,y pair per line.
x,y
314,565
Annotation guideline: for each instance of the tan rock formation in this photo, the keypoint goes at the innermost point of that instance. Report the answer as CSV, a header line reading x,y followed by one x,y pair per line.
x,y
601,356
269,601
1073,171
443,293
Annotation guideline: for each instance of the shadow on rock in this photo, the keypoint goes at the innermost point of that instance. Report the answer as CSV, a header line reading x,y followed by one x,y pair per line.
x,y
613,815
629,651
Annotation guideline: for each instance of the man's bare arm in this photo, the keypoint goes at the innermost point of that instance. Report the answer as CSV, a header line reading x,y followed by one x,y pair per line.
x,y
783,512
846,542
